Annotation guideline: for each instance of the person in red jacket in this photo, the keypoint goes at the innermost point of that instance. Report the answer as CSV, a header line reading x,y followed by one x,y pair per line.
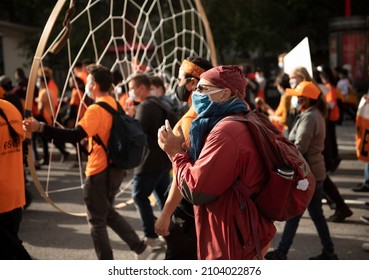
x,y
219,154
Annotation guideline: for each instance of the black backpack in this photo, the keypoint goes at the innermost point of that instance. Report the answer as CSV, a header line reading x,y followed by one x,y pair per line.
x,y
127,145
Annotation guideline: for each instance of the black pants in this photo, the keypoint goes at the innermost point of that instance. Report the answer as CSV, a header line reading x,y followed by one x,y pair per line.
x,y
11,247
331,193
181,242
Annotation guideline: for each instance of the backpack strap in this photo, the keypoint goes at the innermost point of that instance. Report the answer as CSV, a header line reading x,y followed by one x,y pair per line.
x,y
239,187
111,110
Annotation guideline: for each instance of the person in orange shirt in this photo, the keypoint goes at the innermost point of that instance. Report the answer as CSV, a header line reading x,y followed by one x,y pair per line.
x,y
46,74
102,180
12,195
181,235
46,112
331,97
76,110
80,72
331,156
280,115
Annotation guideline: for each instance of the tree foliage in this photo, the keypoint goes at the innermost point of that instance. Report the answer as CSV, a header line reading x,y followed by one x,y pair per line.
x,y
244,29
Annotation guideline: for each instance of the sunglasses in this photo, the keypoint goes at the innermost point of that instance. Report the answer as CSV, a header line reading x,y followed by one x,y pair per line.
x,y
201,88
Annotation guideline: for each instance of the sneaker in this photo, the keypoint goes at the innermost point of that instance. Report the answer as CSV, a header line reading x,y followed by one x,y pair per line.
x,y
361,188
340,215
366,247
325,256
145,254
275,255
365,219
156,243
44,162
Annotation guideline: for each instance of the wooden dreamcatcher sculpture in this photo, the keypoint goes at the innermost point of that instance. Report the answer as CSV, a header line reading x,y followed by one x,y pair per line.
x,y
126,36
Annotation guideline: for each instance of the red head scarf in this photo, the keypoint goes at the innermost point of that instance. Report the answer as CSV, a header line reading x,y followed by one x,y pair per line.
x,y
227,76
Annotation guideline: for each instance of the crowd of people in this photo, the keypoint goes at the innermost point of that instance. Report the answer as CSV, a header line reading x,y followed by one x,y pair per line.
x,y
190,168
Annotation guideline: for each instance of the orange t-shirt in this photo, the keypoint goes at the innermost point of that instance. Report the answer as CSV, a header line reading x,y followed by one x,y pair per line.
x,y
362,130
82,74
12,194
53,88
97,120
185,123
44,105
75,99
331,99
282,112
122,101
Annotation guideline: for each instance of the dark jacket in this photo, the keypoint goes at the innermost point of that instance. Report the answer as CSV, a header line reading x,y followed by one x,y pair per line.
x,y
152,117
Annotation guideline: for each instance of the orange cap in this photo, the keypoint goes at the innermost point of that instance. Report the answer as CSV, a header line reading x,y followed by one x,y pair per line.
x,y
305,88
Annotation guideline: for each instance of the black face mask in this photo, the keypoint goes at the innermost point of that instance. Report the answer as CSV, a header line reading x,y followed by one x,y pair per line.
x,y
182,93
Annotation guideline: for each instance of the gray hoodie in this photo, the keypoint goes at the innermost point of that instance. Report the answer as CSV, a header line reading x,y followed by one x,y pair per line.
x,y
308,135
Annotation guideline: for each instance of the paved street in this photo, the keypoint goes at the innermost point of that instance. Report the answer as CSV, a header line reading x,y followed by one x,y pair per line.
x,y
49,234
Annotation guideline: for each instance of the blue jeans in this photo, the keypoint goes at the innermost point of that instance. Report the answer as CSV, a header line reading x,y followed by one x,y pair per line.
x,y
366,175
316,213
144,184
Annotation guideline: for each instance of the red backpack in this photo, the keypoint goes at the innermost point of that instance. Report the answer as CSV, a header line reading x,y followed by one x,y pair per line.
x,y
290,185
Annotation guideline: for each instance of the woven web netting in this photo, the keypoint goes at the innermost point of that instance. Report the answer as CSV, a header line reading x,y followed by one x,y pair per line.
x,y
151,36
135,35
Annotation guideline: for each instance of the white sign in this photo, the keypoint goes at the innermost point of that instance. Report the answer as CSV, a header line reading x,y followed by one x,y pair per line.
x,y
299,56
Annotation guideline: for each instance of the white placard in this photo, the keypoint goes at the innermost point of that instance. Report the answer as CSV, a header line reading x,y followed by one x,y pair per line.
x,y
299,56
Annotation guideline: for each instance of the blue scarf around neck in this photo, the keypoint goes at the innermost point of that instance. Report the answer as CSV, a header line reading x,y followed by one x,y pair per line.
x,y
207,119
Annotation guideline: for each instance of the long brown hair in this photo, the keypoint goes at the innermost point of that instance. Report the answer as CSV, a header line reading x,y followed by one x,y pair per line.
x,y
320,104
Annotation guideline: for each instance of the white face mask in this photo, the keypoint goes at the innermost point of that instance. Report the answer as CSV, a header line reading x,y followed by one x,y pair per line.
x,y
132,94
209,93
87,90
118,90
153,93
293,82
38,84
295,103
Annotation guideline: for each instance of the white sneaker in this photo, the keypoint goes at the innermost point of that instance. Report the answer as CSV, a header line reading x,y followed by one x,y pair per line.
x,y
366,247
145,254
156,243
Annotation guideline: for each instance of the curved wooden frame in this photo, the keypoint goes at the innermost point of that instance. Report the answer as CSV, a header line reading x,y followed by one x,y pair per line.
x,y
29,100
33,77
209,34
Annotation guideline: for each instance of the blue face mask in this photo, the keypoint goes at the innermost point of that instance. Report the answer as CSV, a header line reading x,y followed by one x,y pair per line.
x,y
200,102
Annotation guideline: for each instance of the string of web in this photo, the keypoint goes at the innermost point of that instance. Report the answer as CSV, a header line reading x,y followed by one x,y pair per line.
x,y
152,36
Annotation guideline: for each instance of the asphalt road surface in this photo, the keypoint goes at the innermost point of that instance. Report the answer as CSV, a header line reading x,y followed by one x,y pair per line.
x,y
50,234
